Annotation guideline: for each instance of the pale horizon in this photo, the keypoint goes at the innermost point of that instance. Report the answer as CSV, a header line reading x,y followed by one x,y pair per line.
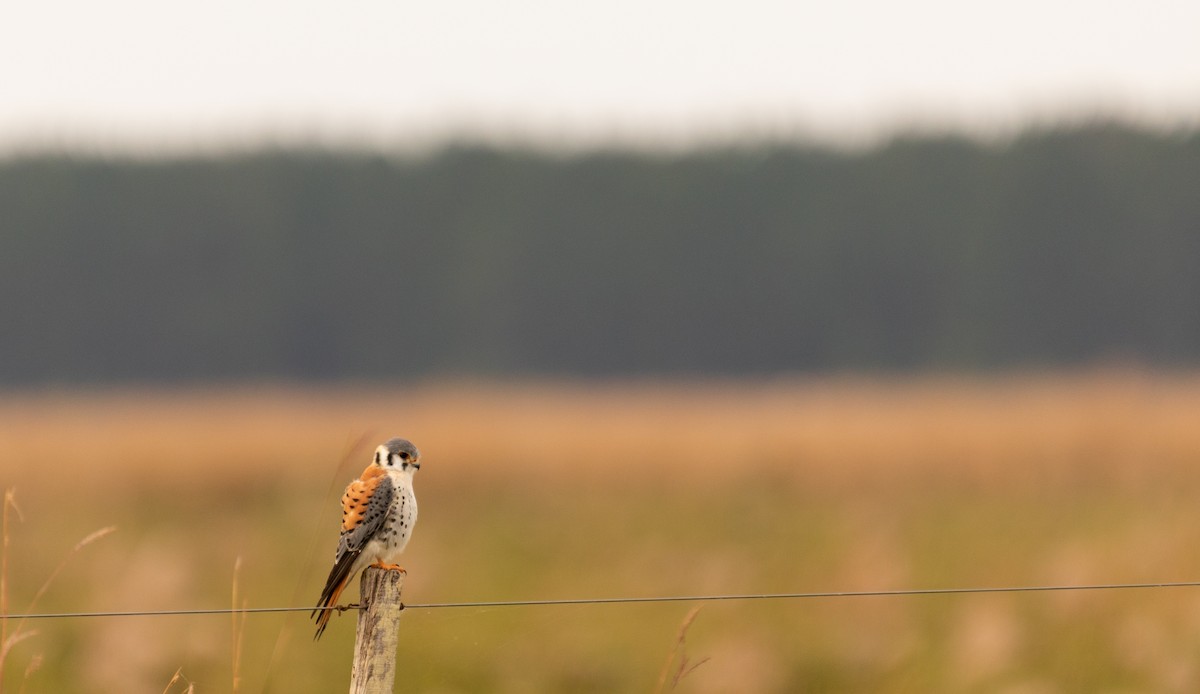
x,y
141,77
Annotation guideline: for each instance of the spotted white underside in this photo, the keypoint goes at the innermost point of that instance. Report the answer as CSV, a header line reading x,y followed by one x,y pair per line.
x,y
387,543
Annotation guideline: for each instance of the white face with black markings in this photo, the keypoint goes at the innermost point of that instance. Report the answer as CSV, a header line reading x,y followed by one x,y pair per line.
x,y
399,455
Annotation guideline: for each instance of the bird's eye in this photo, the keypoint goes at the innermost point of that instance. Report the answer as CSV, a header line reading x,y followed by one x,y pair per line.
x,y
403,455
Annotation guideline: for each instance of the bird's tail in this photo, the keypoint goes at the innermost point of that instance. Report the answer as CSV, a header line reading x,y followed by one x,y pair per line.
x,y
339,577
326,608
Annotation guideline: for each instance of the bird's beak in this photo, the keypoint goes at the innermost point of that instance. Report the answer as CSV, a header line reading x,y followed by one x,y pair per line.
x,y
416,466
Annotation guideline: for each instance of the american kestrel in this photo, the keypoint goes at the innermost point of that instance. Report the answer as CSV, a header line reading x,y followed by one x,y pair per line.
x,y
378,514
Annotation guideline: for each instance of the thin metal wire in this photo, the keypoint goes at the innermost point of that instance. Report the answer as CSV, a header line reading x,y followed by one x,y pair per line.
x,y
619,601
782,596
171,613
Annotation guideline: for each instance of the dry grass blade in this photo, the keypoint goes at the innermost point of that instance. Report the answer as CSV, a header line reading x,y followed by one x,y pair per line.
x,y
679,650
174,678
178,677
17,637
239,628
18,633
35,664
63,564
684,670
10,503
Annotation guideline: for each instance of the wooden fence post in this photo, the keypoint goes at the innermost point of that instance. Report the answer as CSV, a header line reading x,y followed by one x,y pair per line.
x,y
378,632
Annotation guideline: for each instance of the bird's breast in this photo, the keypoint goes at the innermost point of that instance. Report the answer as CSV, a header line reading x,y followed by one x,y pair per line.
x,y
400,519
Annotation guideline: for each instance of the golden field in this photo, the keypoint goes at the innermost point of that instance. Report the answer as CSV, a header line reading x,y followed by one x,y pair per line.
x,y
562,490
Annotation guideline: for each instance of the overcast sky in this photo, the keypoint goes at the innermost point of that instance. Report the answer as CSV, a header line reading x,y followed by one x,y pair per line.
x,y
149,74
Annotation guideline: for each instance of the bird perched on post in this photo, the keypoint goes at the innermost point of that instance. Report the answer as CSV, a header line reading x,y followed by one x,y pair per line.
x,y
378,514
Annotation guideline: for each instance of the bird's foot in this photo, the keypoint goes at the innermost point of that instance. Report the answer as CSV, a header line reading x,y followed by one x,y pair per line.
x,y
352,606
379,564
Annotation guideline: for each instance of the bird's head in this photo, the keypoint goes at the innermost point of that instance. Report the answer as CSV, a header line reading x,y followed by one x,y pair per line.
x,y
398,454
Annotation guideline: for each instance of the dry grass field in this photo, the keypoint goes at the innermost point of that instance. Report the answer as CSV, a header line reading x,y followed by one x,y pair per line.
x,y
560,490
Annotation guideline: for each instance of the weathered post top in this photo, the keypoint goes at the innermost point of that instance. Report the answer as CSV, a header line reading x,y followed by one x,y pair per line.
x,y
378,632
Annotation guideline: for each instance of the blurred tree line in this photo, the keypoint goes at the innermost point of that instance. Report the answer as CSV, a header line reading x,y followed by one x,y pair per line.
x,y
1058,247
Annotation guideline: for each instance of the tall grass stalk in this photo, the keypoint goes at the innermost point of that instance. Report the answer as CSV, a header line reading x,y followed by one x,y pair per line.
x,y
7,640
679,652
35,664
10,504
178,677
238,628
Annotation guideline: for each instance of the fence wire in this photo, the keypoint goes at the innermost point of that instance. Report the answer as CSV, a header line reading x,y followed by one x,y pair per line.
x,y
623,601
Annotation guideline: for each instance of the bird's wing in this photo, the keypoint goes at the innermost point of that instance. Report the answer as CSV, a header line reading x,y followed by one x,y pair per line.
x,y
364,510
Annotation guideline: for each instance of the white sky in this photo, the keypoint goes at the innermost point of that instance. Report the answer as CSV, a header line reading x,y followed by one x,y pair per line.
x,y
145,75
